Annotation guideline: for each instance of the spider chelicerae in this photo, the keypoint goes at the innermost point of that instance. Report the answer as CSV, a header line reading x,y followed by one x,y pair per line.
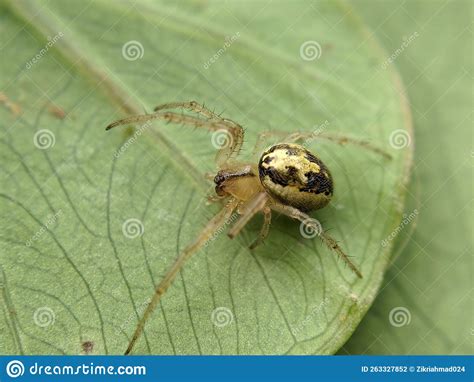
x,y
288,179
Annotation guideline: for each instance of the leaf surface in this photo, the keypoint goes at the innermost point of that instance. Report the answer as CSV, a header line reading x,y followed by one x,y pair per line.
x,y
432,275
84,278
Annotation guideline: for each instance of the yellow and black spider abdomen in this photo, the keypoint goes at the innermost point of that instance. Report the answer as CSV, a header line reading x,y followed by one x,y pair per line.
x,y
294,176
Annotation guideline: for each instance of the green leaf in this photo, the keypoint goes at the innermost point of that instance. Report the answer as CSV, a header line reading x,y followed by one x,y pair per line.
x,y
74,278
432,275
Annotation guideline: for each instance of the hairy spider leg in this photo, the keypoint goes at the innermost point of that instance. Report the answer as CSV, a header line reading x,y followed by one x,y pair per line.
x,y
191,106
212,226
237,135
302,136
232,133
249,210
331,243
267,219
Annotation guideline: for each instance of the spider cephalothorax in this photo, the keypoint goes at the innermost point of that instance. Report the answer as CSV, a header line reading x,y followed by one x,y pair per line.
x,y
288,179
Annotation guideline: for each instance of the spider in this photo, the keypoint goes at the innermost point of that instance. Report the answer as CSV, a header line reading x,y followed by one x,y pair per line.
x,y
288,179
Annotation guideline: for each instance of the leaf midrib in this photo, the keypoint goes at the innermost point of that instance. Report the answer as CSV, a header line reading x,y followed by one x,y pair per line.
x,y
117,94
249,45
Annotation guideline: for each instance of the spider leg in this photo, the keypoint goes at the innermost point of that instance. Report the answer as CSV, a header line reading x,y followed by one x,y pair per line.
x,y
191,106
262,137
236,132
306,137
311,223
174,118
209,175
249,209
214,198
206,234
267,218
228,135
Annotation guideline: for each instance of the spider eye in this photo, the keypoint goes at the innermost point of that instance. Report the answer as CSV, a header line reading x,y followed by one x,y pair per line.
x,y
296,177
